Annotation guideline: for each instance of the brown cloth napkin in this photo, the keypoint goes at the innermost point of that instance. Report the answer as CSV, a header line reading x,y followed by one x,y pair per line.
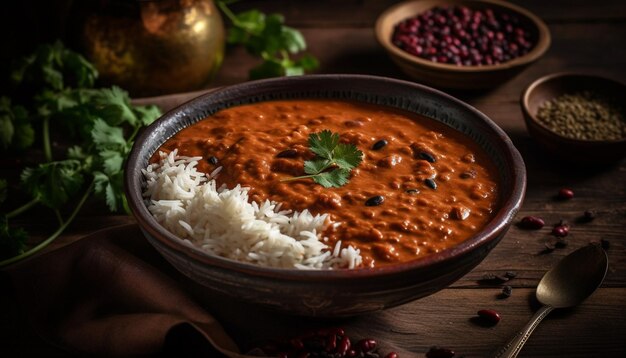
x,y
111,294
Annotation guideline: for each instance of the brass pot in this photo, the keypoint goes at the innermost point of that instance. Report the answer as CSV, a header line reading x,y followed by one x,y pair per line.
x,y
152,47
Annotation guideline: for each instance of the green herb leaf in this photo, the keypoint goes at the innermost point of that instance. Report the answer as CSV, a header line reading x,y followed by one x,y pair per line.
x,y
53,67
107,137
3,190
316,166
323,143
347,156
330,153
53,183
147,114
7,130
113,105
267,36
12,241
16,131
111,189
334,178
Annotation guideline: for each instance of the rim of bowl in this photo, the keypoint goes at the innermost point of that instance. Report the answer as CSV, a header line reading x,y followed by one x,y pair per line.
x,y
543,38
531,119
509,205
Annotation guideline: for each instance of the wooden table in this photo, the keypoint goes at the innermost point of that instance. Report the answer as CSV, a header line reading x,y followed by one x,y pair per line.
x,y
586,36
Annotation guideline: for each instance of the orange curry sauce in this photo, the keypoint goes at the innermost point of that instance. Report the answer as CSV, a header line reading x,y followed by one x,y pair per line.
x,y
413,221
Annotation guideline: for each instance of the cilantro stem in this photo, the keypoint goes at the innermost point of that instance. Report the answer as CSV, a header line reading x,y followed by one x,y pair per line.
x,y
300,177
22,208
54,235
222,5
47,149
58,215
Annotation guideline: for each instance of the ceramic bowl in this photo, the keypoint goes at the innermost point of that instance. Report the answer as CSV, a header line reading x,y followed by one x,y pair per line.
x,y
332,292
590,152
450,75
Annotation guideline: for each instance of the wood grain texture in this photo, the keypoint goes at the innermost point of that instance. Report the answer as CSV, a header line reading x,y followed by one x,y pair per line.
x,y
587,36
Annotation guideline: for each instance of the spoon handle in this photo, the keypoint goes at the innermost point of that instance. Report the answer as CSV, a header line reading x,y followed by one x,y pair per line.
x,y
512,349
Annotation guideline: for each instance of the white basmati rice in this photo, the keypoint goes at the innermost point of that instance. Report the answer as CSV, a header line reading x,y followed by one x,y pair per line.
x,y
224,222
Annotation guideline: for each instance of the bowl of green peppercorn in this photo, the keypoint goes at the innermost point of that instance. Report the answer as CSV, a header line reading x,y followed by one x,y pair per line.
x,y
577,117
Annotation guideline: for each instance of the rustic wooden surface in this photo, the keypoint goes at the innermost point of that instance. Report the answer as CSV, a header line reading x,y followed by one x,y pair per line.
x,y
586,36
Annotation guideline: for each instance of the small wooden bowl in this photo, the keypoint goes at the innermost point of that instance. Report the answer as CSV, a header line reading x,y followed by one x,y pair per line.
x,y
453,76
573,150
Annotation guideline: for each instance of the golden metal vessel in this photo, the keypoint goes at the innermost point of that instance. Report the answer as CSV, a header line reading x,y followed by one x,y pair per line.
x,y
152,47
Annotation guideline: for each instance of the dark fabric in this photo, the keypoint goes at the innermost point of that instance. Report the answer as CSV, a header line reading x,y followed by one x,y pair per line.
x,y
111,294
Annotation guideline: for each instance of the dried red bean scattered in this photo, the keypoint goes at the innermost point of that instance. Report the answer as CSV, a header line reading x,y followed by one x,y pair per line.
x,y
366,345
462,36
506,291
532,223
565,194
323,343
490,279
560,230
439,352
489,316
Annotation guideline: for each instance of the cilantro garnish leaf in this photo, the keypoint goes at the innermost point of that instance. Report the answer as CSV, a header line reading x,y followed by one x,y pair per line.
x,y
334,161
323,144
316,166
53,183
347,156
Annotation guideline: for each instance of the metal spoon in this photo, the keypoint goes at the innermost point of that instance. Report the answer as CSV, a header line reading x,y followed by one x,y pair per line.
x,y
567,284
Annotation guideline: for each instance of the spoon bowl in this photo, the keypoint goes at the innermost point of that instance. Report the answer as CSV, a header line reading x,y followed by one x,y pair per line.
x,y
574,278
567,284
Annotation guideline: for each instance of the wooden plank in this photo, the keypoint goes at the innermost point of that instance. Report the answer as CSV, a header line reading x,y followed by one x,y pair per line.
x,y
363,13
447,319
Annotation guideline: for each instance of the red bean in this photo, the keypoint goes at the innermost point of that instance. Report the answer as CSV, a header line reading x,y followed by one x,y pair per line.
x,y
560,230
392,355
344,345
532,223
444,29
566,193
366,345
297,343
489,316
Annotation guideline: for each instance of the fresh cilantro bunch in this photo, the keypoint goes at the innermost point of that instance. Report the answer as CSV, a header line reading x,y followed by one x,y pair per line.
x,y
54,94
267,36
333,162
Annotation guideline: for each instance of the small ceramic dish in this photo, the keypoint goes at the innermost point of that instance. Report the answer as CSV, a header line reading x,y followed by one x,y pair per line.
x,y
574,150
459,76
